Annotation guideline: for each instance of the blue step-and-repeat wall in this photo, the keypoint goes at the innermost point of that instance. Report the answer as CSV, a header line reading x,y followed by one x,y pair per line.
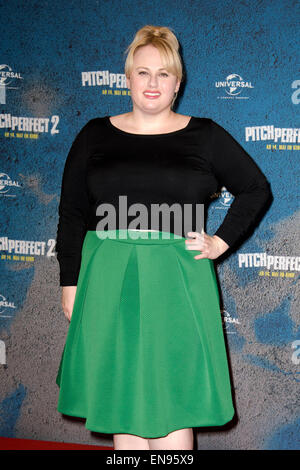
x,y
62,64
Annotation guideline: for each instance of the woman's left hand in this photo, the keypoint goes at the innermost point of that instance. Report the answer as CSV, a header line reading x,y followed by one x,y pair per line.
x,y
210,247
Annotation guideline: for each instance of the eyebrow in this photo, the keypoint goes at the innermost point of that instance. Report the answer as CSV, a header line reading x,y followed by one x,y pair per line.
x,y
142,67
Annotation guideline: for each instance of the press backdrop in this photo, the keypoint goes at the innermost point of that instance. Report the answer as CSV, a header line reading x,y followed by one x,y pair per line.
x,y
62,64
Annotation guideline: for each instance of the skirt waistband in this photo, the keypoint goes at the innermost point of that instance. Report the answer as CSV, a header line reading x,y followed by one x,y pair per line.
x,y
138,237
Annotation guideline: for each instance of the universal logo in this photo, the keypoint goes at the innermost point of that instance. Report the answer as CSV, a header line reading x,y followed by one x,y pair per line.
x,y
296,94
7,78
234,85
4,305
6,184
224,199
229,322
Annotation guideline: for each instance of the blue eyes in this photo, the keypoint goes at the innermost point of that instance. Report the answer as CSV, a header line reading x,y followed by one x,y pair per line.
x,y
163,74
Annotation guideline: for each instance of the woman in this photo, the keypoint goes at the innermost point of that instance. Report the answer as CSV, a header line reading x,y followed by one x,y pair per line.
x,y
145,357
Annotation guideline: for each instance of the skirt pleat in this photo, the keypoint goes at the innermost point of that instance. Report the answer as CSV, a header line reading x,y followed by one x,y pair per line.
x,y
145,351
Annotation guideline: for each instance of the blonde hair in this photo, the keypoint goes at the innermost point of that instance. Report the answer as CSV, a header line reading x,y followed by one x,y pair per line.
x,y
165,41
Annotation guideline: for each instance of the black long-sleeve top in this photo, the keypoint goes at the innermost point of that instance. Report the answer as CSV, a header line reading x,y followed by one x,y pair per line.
x,y
186,166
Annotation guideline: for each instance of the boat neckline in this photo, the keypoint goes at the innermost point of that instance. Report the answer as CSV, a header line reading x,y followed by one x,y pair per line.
x,y
148,135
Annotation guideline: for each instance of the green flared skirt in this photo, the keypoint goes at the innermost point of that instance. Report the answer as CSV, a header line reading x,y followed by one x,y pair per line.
x,y
145,351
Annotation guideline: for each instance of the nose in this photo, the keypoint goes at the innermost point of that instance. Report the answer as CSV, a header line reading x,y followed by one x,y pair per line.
x,y
153,80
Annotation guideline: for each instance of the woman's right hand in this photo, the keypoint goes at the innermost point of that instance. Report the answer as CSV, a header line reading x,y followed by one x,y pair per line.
x,y
67,300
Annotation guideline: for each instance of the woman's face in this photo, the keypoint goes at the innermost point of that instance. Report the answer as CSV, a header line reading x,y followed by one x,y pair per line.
x,y
152,86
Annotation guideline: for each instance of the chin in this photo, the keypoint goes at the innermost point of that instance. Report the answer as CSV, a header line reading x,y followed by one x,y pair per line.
x,y
155,107
152,110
